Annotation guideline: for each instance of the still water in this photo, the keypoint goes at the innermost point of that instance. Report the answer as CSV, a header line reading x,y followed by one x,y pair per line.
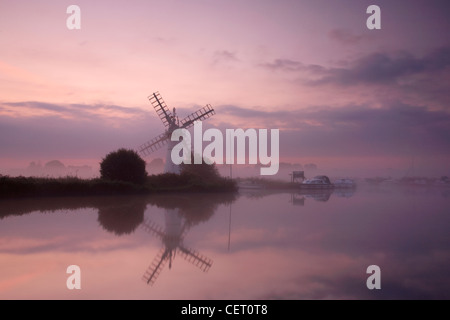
x,y
255,245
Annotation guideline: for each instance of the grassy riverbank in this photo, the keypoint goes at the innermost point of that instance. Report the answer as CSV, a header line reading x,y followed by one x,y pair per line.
x,y
16,187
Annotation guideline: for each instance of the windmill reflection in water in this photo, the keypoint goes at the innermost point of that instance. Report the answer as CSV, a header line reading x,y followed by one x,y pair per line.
x,y
172,238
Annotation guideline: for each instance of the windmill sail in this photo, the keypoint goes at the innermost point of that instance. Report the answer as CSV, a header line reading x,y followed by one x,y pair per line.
x,y
202,114
173,243
170,121
152,228
153,145
156,267
161,109
197,259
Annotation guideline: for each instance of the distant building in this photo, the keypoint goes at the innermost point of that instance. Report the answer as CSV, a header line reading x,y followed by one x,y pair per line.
x,y
310,166
297,176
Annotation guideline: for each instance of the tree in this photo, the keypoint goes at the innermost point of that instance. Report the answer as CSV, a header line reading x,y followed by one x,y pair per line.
x,y
54,164
205,172
123,165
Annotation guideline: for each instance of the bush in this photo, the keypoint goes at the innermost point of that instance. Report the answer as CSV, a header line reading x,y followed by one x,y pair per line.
x,y
123,165
203,172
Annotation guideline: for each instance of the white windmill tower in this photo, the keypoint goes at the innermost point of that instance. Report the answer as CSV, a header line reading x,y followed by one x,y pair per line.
x,y
171,122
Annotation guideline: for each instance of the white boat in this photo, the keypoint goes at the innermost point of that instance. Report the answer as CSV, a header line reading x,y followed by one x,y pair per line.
x,y
318,182
442,182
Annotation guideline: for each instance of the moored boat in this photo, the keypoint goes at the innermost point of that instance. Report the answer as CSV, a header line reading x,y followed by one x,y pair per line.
x,y
318,182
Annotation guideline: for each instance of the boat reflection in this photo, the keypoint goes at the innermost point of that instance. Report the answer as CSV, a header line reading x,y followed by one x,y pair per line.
x,y
324,195
298,196
297,200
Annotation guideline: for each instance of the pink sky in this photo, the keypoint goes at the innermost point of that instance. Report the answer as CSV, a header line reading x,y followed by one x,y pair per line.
x,y
336,90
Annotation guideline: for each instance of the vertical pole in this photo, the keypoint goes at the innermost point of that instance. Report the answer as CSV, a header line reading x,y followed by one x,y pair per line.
x,y
229,229
231,166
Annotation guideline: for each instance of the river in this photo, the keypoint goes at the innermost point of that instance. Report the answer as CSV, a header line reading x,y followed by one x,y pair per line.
x,y
255,245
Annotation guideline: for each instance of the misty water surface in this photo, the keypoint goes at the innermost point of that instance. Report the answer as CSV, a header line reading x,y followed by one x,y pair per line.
x,y
256,245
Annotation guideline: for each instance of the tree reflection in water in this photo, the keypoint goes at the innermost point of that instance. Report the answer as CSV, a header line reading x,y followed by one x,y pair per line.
x,y
122,215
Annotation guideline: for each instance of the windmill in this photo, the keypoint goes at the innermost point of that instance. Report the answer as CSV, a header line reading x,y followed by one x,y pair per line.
x,y
172,238
173,235
171,122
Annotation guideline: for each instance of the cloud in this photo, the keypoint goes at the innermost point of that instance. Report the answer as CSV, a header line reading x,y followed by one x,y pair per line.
x,y
346,37
224,56
84,131
402,76
284,65
373,68
384,68
39,129
354,129
74,111
86,243
251,113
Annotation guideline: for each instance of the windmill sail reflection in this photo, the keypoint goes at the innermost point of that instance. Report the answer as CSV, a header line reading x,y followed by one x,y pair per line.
x,y
172,238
